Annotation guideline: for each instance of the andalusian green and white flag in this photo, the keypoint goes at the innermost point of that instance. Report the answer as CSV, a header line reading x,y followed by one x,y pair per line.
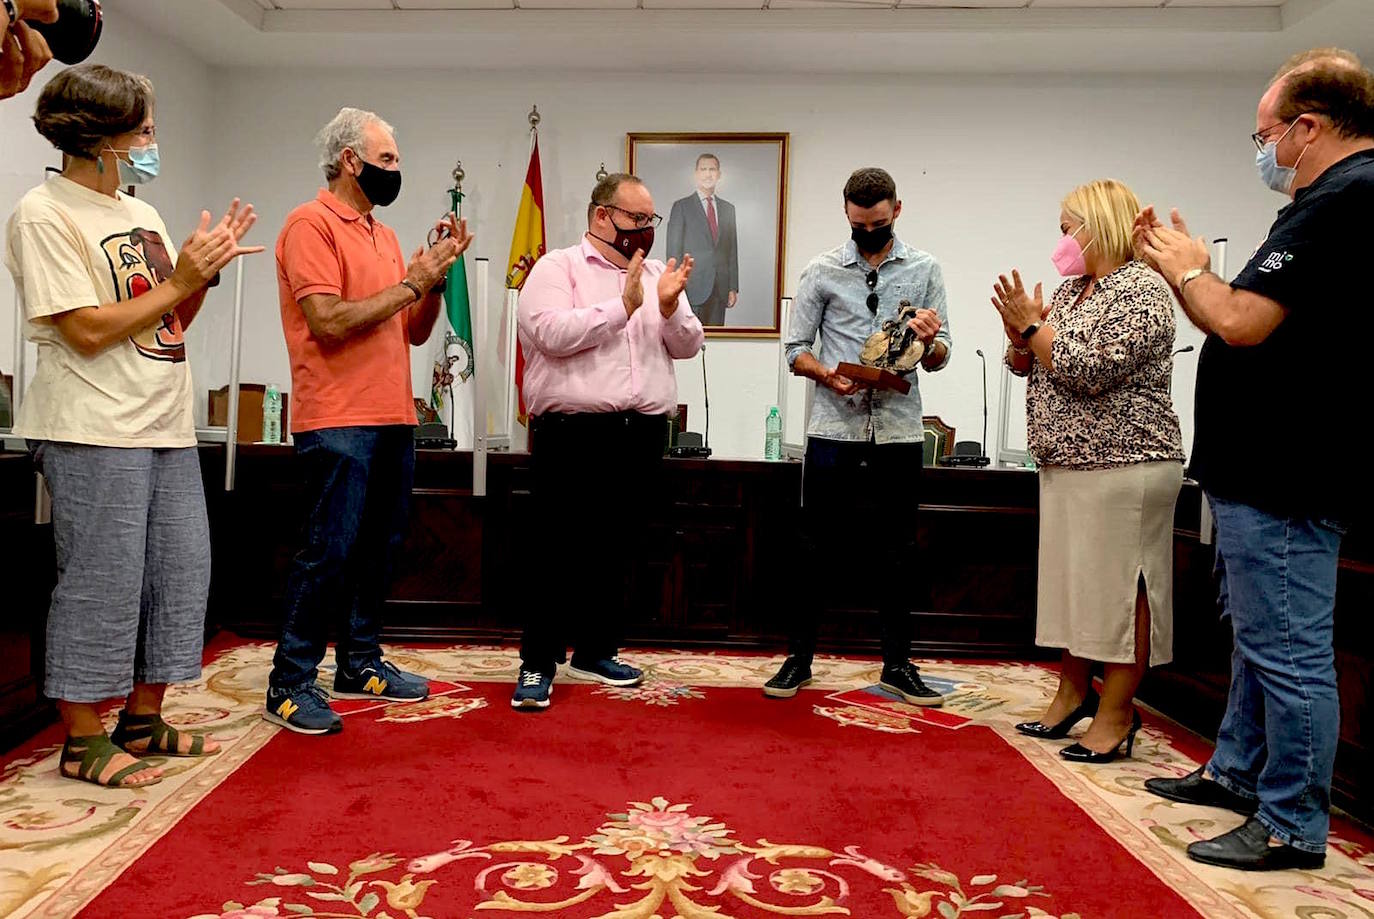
x,y
456,365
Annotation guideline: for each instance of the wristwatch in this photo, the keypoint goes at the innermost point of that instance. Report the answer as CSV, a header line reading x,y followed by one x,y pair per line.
x,y
1030,330
11,11
1192,275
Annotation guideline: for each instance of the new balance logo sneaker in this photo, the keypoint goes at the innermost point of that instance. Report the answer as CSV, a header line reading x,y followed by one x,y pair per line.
x,y
380,680
304,710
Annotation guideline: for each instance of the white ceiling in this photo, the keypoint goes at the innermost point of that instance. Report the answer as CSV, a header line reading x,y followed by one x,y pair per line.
x,y
762,36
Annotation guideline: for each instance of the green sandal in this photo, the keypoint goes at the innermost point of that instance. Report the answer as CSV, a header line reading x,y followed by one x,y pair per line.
x,y
163,739
92,754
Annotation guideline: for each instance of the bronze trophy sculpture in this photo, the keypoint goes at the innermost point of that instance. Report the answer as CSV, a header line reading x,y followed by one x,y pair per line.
x,y
889,354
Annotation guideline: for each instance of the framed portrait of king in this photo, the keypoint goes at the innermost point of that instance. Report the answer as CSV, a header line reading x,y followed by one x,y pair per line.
x,y
723,198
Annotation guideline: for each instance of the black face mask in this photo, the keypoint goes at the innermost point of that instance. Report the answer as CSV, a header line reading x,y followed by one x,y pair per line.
x,y
380,186
873,240
627,241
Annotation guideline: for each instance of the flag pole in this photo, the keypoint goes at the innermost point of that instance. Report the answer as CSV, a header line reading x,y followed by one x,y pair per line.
x,y
456,200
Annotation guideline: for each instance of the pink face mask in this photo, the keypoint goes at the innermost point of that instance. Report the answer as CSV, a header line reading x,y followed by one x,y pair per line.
x,y
1068,255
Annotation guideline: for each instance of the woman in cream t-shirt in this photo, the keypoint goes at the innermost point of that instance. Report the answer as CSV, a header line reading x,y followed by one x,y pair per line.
x,y
107,299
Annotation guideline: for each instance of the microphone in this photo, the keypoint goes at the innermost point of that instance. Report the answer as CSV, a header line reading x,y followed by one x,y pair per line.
x,y
1183,350
706,396
983,445
690,444
963,450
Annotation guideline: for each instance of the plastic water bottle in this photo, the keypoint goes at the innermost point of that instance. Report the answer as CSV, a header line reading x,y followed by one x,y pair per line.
x,y
271,415
772,435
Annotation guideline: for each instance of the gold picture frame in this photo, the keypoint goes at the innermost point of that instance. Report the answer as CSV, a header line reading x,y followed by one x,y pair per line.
x,y
751,169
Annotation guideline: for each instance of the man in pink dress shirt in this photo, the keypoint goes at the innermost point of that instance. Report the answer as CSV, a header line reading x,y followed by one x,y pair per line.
x,y
600,327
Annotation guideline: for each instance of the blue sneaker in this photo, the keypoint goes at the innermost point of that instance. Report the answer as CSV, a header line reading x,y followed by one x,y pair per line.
x,y
304,710
380,680
532,689
612,671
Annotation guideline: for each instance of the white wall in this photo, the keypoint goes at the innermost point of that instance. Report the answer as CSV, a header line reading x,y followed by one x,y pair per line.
x,y
980,164
185,119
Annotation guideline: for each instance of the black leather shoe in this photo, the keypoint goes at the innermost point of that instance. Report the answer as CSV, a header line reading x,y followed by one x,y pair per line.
x,y
904,680
1247,848
791,676
1086,709
1077,753
1195,788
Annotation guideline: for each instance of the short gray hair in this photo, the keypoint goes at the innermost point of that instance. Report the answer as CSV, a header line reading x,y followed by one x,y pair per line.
x,y
346,129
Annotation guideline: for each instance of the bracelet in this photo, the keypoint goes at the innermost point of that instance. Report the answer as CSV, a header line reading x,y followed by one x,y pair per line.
x,y
12,11
413,288
1017,349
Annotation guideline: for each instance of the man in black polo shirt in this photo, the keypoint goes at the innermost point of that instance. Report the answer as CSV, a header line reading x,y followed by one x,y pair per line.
x,y
1283,348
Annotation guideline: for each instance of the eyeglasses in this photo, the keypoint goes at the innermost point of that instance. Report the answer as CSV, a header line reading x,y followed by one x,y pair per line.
x,y
872,281
641,221
1258,137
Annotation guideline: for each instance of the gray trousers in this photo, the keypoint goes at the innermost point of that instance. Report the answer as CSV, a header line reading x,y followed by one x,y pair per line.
x,y
133,568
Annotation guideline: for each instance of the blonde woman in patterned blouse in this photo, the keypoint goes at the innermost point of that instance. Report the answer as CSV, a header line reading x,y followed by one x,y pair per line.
x,y
1102,429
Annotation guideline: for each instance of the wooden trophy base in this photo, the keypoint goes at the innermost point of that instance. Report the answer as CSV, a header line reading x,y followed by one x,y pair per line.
x,y
874,377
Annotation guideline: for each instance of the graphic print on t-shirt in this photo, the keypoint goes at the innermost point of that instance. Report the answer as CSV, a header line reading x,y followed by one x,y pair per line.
x,y
139,262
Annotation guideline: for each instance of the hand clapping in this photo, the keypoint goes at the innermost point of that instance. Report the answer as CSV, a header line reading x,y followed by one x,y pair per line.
x,y
672,283
449,239
1171,251
210,248
1018,309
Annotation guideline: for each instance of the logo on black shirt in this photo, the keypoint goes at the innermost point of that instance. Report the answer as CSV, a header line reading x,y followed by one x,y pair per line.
x,y
1274,261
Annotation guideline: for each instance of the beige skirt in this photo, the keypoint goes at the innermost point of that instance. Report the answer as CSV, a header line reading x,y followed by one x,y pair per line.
x,y
1101,531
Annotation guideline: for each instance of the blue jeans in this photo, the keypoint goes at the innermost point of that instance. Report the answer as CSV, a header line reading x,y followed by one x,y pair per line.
x,y
1277,740
357,484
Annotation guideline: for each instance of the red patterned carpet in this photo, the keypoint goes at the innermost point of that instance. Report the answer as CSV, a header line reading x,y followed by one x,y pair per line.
x,y
690,797
745,805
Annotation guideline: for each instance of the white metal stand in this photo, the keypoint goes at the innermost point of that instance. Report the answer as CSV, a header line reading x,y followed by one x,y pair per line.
x,y
511,317
1205,522
479,380
231,442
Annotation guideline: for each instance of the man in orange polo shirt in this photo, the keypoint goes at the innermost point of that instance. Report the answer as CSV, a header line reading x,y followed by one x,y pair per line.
x,y
351,309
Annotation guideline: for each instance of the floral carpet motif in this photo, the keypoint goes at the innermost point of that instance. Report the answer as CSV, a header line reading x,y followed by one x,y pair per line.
x,y
63,843
691,863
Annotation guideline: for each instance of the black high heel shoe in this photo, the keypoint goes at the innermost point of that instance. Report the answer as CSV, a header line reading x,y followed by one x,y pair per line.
x,y
1077,753
1086,709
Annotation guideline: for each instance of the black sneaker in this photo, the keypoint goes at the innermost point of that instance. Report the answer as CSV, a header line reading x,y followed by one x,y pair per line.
x,y
1247,848
791,676
904,680
611,671
1196,788
532,689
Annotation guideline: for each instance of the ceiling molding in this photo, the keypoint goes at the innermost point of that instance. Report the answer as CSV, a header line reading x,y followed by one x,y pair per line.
x,y
249,11
1295,11
770,22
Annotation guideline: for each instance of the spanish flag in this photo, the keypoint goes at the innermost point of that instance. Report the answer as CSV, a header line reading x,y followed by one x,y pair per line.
x,y
526,246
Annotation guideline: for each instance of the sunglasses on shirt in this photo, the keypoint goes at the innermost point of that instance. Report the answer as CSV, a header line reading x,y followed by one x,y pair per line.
x,y
872,281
